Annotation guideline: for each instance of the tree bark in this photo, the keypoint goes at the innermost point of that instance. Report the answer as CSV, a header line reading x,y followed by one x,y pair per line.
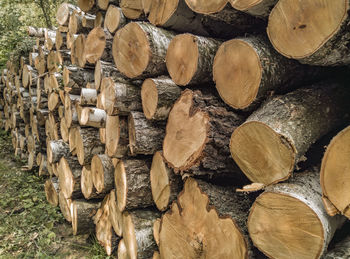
x,y
102,171
82,216
75,78
105,69
56,149
268,146
93,117
341,250
88,97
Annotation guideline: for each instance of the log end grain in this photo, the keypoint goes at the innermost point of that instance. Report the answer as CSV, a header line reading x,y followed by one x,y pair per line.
x,y
51,193
206,6
95,45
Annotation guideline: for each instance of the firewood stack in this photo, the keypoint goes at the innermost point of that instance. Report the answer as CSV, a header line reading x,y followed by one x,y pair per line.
x,y
172,129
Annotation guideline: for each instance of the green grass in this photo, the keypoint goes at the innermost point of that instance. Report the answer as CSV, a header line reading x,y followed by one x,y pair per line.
x,y
29,226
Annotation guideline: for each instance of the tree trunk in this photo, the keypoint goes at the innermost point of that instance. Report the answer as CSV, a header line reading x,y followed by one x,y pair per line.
x,y
87,144
164,183
98,45
190,59
82,213
246,71
288,30
138,233
114,19
75,24
29,76
102,171
117,136
132,42
259,9
52,190
335,174
158,96
133,185
276,136
197,135
88,97
145,137
56,149
69,177
282,204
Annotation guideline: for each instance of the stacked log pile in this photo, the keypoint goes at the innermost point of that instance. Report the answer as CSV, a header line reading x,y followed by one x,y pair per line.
x,y
157,170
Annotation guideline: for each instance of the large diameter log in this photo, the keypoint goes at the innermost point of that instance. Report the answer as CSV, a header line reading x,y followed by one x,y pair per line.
x,y
93,117
102,171
292,23
82,213
164,183
138,233
198,131
69,177
120,98
273,224
117,136
335,174
145,137
114,19
276,136
145,45
158,96
189,59
260,8
51,191
206,220
247,69
87,144
64,11
56,149
98,46
133,185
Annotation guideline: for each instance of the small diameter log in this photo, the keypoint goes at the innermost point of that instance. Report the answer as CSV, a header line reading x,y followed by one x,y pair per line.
x,y
117,136
82,213
273,224
275,138
64,11
87,144
75,24
87,185
114,19
145,45
335,175
292,23
93,117
61,40
133,185
78,51
138,233
56,149
260,8
29,75
158,96
104,4
70,42
88,97
88,6
64,130
132,9
103,70
75,78
198,131
164,183
189,59
52,189
70,113
120,98
208,221
115,215
43,168
69,177
145,137
102,171
98,46
247,69
65,206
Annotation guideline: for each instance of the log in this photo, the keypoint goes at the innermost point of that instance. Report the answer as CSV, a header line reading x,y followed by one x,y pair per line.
x,y
61,40
98,45
145,137
197,135
63,13
132,9
117,136
87,186
29,75
99,18
133,41
82,213
43,168
103,70
65,206
274,212
88,21
53,101
75,78
36,32
138,233
156,230
246,70
158,96
164,183
88,97
87,144
93,117
75,24
334,175
88,6
208,221
78,51
120,98
189,59
69,177
292,23
104,4
261,8
52,190
133,185
70,112
114,19
102,171
115,215
272,141
70,41
56,149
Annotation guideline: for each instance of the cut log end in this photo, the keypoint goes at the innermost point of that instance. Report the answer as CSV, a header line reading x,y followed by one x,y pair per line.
x,y
65,206
132,9
149,95
62,15
113,18
184,142
307,237
86,5
182,58
206,6
335,172
95,45
131,44
237,73
51,193
112,134
121,185
292,24
86,182
115,215
262,154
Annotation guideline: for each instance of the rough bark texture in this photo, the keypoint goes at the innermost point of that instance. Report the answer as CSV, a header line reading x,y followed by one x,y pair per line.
x,y
88,97
260,9
88,144
341,250
57,149
93,117
82,216
103,70
145,137
75,78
